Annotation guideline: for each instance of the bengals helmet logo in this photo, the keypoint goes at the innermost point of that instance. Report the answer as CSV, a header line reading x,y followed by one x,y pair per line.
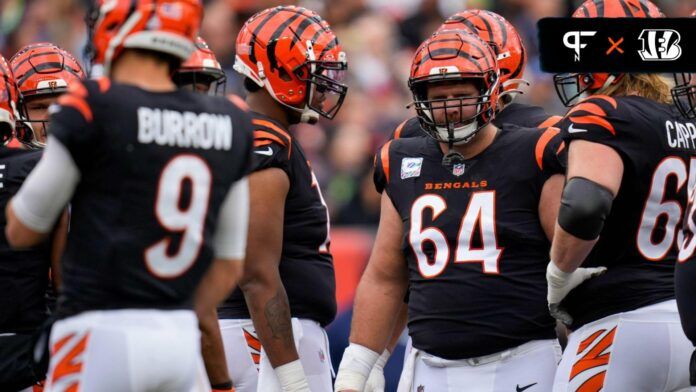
x,y
660,45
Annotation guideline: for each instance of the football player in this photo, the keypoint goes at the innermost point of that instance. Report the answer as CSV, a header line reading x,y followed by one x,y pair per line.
x,y
24,275
511,55
512,58
684,96
466,219
43,72
201,72
156,178
273,327
629,168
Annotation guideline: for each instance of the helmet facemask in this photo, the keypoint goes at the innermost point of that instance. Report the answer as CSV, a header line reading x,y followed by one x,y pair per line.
x,y
206,81
324,79
684,94
435,114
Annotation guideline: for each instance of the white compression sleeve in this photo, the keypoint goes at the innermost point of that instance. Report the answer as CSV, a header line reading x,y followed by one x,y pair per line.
x,y
230,237
48,188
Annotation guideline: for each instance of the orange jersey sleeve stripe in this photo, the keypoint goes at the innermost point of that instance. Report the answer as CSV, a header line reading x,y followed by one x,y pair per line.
x,y
542,143
589,107
78,104
384,156
270,125
397,133
596,120
261,135
549,122
261,143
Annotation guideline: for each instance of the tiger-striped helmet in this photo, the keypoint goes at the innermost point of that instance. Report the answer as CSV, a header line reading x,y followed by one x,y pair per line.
x,y
454,56
201,70
571,86
9,97
292,53
501,36
164,26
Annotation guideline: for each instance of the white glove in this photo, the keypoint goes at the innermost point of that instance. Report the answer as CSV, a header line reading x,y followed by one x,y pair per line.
x,y
355,367
375,382
292,377
561,283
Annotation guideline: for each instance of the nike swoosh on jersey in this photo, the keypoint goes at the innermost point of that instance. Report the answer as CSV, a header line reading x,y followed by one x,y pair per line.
x,y
267,152
518,389
572,129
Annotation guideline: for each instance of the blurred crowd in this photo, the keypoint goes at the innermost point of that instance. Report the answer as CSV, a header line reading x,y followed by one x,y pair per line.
x,y
379,37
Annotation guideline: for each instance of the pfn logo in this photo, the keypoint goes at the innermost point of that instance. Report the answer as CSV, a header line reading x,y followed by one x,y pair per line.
x,y
660,45
575,44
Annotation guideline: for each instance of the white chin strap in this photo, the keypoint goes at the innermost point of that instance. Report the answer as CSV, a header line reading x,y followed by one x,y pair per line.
x,y
464,133
309,116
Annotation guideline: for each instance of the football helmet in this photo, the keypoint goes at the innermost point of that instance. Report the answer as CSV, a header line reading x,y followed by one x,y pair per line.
x,y
41,70
684,91
165,26
454,56
293,54
9,99
571,86
502,37
201,72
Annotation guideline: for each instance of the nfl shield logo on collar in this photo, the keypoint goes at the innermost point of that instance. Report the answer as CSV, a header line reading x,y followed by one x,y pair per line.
x,y
411,167
458,169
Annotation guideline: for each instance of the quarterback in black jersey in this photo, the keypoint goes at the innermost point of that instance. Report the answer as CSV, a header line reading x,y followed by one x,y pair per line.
x,y
630,163
273,330
156,178
465,224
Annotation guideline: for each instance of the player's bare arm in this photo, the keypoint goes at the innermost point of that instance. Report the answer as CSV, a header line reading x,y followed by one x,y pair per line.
x,y
378,298
261,284
216,285
221,278
549,202
594,177
597,163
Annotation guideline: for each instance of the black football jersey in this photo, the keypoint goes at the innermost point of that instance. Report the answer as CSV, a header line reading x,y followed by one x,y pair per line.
x,y
306,265
639,241
23,273
517,114
475,247
155,169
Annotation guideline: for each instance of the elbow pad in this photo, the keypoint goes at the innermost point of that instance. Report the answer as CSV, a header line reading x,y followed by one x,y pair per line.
x,y
584,208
